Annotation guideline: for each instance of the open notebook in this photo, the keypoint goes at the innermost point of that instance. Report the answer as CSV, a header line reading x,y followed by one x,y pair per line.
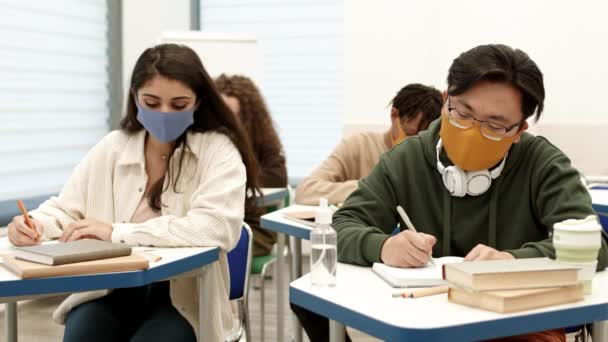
x,y
414,277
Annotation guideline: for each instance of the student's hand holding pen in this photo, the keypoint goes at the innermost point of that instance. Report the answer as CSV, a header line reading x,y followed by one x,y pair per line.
x,y
407,249
20,234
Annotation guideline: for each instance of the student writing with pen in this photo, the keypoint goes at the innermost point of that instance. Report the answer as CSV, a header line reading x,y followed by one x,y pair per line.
x,y
412,109
175,174
426,241
475,184
30,230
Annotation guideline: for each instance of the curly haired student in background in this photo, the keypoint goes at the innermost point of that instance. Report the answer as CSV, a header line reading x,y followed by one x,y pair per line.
x,y
245,100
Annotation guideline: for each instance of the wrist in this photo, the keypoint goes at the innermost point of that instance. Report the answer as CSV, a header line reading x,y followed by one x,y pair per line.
x,y
507,255
384,249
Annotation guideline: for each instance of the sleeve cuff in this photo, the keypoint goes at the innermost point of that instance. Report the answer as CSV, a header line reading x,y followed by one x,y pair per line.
x,y
525,252
120,230
372,245
51,231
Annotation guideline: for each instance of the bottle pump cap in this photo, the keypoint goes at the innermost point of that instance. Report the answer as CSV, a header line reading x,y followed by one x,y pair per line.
x,y
323,214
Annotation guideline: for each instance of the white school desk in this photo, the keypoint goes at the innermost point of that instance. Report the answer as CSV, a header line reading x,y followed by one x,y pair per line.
x,y
275,221
363,301
175,262
270,196
188,257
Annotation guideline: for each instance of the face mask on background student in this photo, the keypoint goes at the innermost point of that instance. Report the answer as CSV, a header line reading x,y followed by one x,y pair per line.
x,y
472,145
165,127
400,137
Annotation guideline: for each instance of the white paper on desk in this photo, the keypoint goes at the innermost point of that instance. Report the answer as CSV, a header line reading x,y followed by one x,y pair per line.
x,y
414,277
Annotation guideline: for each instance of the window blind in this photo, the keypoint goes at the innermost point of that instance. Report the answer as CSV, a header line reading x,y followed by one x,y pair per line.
x,y
302,53
53,91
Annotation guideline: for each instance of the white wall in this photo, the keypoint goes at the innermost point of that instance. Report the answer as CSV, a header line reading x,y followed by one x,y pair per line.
x,y
391,43
142,23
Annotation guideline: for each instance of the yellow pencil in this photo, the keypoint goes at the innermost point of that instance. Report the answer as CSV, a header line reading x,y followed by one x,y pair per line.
x,y
431,291
150,256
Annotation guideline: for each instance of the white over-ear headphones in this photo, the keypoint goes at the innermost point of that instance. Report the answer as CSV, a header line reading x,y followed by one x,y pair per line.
x,y
460,183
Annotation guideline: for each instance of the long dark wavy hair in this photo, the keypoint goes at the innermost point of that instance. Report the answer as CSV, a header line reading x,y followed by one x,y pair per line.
x,y
254,113
180,63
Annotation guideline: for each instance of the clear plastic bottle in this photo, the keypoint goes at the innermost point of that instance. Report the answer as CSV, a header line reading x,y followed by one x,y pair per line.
x,y
324,254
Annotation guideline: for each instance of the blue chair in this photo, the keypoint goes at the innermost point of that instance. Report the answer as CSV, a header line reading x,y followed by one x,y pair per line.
x,y
601,209
239,264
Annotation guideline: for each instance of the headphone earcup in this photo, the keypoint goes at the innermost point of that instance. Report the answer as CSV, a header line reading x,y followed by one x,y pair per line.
x,y
478,182
455,180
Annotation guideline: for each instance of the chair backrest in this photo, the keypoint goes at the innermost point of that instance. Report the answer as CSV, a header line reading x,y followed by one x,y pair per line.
x,y
599,206
239,264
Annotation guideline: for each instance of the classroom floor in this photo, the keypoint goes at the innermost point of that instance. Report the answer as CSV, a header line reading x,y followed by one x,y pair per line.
x,y
35,323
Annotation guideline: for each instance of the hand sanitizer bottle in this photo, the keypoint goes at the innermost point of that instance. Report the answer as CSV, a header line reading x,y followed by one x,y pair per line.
x,y
323,239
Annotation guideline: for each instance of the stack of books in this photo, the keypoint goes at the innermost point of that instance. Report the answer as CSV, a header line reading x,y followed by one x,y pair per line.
x,y
507,286
73,258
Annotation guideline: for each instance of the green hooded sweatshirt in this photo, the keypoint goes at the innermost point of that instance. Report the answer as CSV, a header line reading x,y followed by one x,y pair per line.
x,y
537,188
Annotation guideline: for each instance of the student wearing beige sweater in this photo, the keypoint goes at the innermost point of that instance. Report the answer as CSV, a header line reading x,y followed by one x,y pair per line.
x,y
174,175
412,109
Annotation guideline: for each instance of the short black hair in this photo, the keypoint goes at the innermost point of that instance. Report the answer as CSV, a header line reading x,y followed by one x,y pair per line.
x,y
415,98
500,63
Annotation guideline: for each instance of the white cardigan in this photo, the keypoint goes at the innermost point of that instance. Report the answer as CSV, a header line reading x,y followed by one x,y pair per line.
x,y
206,210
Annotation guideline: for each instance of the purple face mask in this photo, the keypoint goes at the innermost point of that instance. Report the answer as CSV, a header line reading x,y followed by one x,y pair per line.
x,y
165,127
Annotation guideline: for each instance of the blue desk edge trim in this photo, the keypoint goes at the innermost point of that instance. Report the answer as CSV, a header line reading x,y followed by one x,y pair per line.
x,y
101,281
300,233
280,195
483,330
600,209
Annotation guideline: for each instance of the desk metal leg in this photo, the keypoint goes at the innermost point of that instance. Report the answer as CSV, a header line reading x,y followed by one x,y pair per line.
x,y
202,285
297,267
280,288
10,321
600,331
337,331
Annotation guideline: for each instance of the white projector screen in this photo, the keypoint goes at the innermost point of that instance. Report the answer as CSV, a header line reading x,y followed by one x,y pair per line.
x,y
222,53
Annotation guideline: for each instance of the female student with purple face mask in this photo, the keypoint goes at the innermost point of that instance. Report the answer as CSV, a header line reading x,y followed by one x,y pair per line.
x,y
175,174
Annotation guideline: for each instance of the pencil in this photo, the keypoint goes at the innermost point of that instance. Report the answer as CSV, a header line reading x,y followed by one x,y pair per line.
x,y
150,256
410,226
26,216
431,291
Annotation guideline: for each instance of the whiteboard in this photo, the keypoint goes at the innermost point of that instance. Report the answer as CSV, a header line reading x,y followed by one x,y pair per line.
x,y
222,52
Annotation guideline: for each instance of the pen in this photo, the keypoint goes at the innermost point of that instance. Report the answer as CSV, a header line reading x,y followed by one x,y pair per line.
x,y
409,225
26,216
431,291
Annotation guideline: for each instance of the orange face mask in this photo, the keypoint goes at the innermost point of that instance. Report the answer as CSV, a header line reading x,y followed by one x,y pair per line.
x,y
401,137
469,149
